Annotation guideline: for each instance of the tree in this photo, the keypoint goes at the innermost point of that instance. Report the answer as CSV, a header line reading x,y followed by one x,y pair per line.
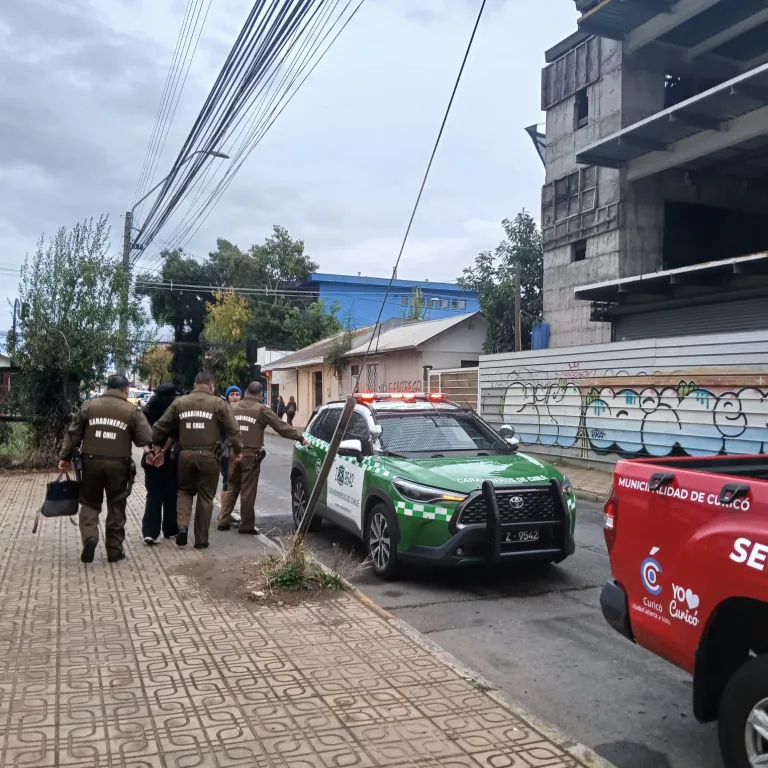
x,y
493,277
154,366
305,326
417,306
228,322
270,271
68,330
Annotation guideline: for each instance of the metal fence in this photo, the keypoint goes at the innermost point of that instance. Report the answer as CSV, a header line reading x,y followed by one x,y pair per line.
x,y
694,395
457,384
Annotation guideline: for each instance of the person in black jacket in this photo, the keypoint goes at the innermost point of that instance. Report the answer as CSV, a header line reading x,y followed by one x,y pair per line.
x,y
161,481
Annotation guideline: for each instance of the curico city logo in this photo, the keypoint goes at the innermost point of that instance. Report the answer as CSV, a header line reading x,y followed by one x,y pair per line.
x,y
649,571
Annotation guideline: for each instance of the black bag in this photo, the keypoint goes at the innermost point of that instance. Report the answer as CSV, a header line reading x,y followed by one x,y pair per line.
x,y
61,498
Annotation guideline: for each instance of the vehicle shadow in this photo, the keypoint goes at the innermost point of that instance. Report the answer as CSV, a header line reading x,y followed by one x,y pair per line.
x,y
341,550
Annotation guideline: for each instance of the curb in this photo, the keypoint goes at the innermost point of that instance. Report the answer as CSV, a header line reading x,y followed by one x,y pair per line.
x,y
595,498
580,752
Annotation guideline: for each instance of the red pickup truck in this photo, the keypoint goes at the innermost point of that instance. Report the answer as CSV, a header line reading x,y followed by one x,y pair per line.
x,y
688,542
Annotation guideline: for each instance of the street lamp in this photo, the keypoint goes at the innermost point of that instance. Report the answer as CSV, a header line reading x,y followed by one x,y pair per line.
x,y
128,246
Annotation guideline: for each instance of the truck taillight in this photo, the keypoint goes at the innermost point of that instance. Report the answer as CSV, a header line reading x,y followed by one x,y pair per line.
x,y
610,519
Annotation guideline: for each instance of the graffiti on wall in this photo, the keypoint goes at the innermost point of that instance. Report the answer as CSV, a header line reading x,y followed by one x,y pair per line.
x,y
639,420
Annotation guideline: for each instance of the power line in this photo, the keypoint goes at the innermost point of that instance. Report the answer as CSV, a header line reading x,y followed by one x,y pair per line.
x,y
421,191
169,102
269,43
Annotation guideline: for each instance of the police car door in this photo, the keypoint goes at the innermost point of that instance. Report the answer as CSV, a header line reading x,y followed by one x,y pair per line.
x,y
346,480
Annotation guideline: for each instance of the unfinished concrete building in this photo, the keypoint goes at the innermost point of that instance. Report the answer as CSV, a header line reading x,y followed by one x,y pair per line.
x,y
656,192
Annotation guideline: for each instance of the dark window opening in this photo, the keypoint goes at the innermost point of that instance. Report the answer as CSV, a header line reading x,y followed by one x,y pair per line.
x,y
582,108
579,250
318,380
678,89
470,363
696,234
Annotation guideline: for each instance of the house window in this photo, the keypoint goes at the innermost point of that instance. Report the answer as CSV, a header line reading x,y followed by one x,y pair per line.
x,y
579,250
462,304
446,304
372,370
582,108
403,301
434,303
354,370
454,303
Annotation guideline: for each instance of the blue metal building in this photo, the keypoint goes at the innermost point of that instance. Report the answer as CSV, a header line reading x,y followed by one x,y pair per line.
x,y
360,297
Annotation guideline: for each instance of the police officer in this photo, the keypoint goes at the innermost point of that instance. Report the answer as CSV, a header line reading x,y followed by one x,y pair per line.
x,y
106,426
201,417
253,417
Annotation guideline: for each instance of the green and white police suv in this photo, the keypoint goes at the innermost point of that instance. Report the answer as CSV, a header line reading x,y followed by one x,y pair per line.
x,y
408,480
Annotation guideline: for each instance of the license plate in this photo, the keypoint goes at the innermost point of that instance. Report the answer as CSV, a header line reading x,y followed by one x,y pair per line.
x,y
514,537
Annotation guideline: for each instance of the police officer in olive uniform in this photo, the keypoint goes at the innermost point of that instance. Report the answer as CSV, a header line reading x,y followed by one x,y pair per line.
x,y
201,417
106,427
253,417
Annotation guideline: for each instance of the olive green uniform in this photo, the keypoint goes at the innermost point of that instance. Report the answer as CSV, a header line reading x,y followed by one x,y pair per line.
x,y
253,417
201,417
106,427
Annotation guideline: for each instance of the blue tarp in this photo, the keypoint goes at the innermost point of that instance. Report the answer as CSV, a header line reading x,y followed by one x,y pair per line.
x,y
540,336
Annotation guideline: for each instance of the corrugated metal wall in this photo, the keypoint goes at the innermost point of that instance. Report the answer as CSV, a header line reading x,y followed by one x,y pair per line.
x,y
698,395
723,317
457,384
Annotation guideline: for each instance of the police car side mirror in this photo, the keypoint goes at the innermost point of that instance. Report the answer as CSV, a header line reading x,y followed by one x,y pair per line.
x,y
353,448
513,443
507,431
376,431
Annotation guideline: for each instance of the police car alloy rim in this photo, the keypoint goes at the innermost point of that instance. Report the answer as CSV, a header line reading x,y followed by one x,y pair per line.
x,y
756,734
299,500
379,541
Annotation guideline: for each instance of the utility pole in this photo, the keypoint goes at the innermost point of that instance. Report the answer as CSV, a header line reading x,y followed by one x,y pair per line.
x,y
518,329
123,352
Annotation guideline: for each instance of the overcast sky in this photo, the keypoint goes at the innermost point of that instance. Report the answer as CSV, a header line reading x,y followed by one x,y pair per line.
x,y
82,80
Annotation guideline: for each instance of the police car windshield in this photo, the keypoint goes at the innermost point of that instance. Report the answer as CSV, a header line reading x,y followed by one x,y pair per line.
x,y
436,431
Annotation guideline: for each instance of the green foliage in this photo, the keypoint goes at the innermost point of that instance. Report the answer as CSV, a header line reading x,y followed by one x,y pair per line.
x,y
67,332
295,570
417,306
493,276
229,321
272,267
154,365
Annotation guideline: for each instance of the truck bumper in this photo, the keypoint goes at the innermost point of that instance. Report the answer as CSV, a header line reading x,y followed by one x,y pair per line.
x,y
615,607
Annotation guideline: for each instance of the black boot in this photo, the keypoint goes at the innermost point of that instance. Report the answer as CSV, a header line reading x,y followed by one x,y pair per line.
x,y
89,550
115,557
181,536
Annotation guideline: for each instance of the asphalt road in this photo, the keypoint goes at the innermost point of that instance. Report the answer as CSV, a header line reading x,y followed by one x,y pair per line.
x,y
537,633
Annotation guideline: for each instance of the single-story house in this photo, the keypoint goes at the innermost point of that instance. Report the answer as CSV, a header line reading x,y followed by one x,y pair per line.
x,y
401,355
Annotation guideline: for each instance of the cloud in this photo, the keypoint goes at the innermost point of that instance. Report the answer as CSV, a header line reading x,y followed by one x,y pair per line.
x,y
341,167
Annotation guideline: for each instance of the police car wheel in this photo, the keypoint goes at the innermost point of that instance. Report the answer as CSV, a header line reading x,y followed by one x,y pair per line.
x,y
299,498
380,542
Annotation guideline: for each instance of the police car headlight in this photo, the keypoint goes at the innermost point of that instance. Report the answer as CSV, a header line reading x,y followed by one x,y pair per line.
x,y
424,493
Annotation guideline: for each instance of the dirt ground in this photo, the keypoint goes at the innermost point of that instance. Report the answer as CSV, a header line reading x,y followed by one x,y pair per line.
x,y
236,578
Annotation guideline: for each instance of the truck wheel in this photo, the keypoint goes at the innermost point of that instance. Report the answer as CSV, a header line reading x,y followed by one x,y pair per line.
x,y
380,538
299,498
743,723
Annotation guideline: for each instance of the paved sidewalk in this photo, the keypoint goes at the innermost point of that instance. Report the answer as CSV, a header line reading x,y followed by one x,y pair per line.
x,y
132,664
590,484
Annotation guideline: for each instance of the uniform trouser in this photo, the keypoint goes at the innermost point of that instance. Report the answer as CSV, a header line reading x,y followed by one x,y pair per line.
x,y
100,476
243,481
160,508
198,476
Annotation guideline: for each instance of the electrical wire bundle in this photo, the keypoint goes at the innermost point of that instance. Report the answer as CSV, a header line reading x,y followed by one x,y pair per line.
x,y
192,25
280,44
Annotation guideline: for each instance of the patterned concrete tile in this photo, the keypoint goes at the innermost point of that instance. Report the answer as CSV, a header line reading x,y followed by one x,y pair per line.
x,y
134,666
